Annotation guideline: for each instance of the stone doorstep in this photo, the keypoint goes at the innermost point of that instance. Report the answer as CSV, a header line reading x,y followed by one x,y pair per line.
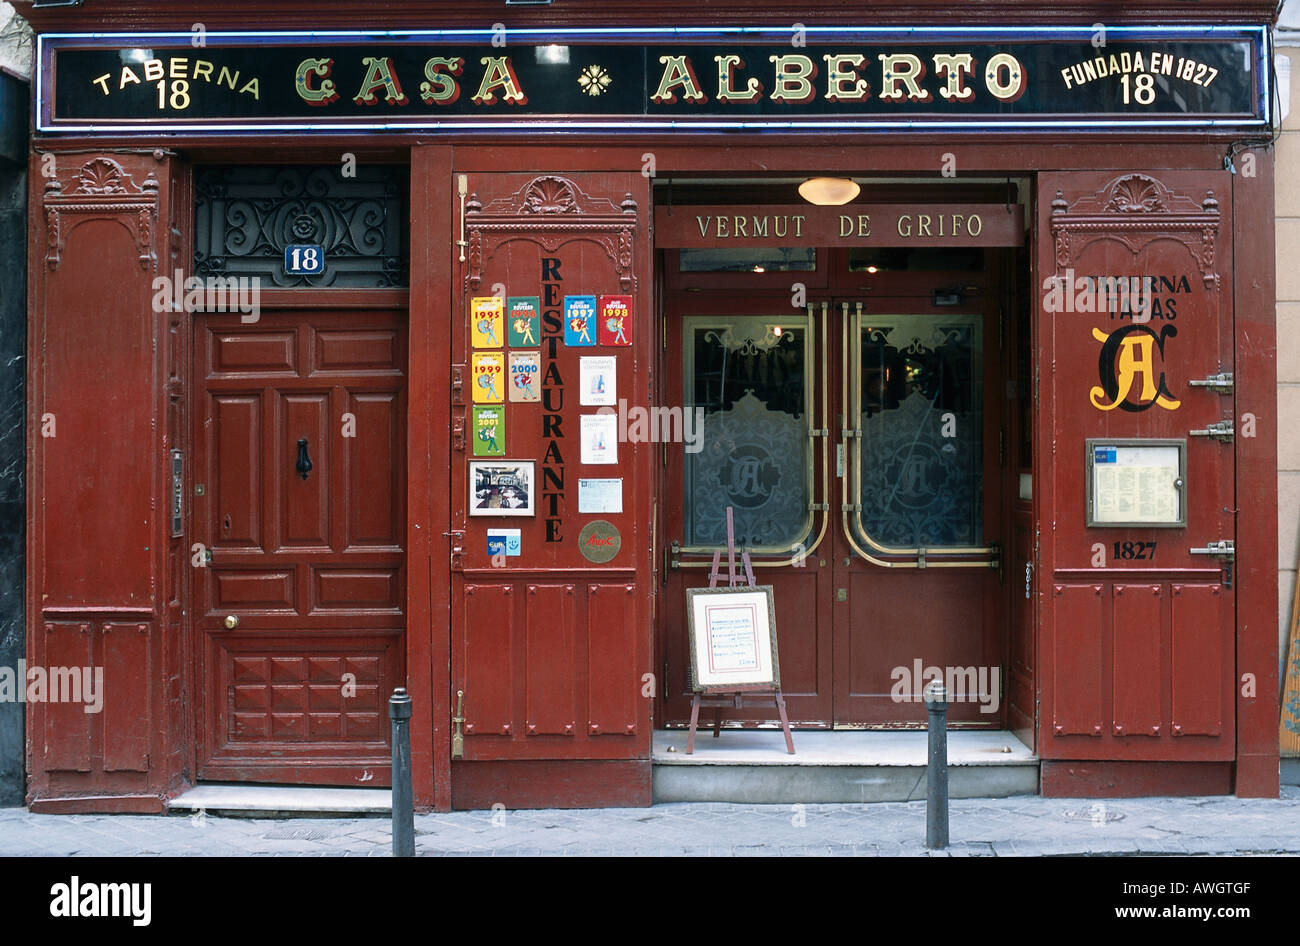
x,y
283,801
908,748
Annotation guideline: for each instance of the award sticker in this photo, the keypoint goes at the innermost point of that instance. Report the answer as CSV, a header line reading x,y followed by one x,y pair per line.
x,y
489,431
525,372
598,438
599,541
487,377
521,321
486,321
579,321
596,381
615,320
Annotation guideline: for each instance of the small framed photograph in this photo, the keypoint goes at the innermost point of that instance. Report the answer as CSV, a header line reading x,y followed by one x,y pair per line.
x,y
501,488
732,639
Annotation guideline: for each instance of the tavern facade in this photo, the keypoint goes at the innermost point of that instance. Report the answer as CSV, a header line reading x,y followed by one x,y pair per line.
x,y
996,413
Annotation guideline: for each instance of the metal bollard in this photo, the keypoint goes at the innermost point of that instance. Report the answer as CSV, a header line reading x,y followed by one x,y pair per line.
x,y
399,711
936,770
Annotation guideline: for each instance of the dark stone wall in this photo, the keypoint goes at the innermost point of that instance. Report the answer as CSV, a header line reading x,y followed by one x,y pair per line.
x,y
13,409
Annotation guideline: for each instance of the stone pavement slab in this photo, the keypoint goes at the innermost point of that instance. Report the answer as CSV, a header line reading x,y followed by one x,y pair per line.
x,y
1021,826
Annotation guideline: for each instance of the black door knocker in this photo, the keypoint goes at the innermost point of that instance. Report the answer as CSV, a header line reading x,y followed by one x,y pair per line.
x,y
304,460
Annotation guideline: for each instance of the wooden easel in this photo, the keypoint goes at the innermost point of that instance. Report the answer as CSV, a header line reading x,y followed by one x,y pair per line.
x,y
720,699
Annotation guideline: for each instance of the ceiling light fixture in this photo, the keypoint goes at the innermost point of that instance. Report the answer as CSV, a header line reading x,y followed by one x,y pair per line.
x,y
829,191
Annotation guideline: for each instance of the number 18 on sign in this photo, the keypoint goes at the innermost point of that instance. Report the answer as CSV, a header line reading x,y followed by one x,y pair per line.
x,y
304,259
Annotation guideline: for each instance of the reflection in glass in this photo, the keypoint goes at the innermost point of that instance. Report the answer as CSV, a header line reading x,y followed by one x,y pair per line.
x,y
765,259
750,376
922,431
915,259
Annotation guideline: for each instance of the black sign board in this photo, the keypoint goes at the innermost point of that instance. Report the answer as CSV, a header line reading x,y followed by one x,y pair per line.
x,y
846,79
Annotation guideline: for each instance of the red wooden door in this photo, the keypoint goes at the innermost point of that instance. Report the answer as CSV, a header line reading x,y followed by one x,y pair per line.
x,y
299,612
551,586
924,386
1137,628
843,435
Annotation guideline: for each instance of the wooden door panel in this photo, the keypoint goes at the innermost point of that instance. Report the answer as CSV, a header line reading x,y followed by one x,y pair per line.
x,y
489,662
802,598
236,476
611,636
373,474
304,504
232,353
549,673
304,699
524,648
310,568
1201,660
356,351
932,616
235,589
1164,654
1137,642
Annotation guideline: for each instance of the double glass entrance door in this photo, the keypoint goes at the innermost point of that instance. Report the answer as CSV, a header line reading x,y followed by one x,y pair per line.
x,y
859,443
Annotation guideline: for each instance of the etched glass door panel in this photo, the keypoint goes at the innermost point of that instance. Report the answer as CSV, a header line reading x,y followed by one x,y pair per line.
x,y
750,378
921,414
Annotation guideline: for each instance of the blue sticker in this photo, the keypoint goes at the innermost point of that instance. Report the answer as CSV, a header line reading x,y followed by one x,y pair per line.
x,y
579,321
507,542
1103,454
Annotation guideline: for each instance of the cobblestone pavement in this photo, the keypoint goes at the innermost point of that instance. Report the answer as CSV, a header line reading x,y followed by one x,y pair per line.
x,y
979,827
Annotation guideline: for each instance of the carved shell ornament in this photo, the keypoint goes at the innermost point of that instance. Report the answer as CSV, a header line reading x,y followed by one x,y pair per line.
x,y
100,176
1136,210
1136,194
550,195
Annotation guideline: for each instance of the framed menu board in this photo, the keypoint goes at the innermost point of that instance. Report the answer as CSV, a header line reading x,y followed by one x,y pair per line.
x,y
732,638
1137,483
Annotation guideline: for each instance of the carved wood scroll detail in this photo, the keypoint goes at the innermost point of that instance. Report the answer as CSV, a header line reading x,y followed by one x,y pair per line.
x,y
550,211
101,188
1137,210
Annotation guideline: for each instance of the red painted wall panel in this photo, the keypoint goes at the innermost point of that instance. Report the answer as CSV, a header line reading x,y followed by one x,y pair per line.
x,y
128,722
96,483
1198,660
68,727
1077,673
549,684
1136,628
490,658
612,684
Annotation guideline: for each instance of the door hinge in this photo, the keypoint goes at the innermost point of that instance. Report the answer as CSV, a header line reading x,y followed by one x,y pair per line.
x,y
458,384
1221,431
1220,383
457,737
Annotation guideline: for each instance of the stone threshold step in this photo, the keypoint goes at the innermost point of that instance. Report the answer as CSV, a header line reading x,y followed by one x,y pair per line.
x,y
872,748
281,801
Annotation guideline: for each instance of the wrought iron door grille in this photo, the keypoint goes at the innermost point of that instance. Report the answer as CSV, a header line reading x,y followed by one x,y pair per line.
x,y
244,218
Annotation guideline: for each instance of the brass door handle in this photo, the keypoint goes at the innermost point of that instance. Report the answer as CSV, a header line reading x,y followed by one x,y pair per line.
x,y
231,622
